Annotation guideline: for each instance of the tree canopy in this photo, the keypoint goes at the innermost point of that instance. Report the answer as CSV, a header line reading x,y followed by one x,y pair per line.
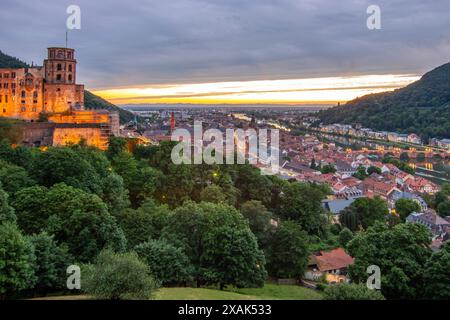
x,y
401,252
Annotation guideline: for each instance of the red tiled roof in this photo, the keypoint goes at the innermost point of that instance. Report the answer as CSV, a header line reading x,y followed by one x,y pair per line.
x,y
334,259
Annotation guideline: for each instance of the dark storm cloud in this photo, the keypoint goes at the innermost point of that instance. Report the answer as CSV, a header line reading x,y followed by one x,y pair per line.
x,y
124,43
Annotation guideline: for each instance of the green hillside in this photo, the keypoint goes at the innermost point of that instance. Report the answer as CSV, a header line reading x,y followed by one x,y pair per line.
x,y
422,107
91,101
11,62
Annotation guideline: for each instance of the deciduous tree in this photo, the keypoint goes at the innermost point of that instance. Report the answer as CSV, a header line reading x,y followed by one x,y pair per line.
x,y
400,252
118,276
16,261
288,253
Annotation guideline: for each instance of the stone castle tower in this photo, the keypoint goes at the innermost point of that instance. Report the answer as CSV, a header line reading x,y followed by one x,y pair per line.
x,y
61,92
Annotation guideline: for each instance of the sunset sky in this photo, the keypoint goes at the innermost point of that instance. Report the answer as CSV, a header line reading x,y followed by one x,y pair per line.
x,y
292,91
235,51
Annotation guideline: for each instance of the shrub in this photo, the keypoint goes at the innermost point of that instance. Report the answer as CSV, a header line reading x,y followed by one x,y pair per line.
x,y
118,276
168,263
351,292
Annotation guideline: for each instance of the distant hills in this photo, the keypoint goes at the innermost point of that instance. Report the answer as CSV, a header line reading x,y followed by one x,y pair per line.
x,y
423,107
91,101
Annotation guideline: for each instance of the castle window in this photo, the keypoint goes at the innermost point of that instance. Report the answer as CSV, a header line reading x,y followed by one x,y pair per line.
x,y
4,110
23,94
34,109
6,98
23,109
13,85
14,92
1,98
59,67
70,77
58,77
13,75
35,94
70,68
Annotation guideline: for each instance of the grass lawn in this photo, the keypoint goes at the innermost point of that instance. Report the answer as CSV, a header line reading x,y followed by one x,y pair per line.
x,y
281,292
269,291
69,297
199,294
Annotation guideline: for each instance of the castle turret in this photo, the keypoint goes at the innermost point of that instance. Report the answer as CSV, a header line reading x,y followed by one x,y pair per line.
x,y
60,66
61,91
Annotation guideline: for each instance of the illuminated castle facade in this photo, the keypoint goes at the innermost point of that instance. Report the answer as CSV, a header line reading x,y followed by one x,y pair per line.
x,y
51,91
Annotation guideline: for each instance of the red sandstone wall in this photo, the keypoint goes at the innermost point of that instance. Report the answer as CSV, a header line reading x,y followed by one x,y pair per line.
x,y
93,137
83,116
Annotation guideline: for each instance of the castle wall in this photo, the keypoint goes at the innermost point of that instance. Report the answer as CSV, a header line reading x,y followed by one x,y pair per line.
x,y
36,134
81,116
73,135
61,97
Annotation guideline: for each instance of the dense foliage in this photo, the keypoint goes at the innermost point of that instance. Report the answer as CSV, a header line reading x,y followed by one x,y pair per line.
x,y
405,207
117,276
437,274
401,252
351,292
288,255
441,201
205,225
363,213
168,263
16,260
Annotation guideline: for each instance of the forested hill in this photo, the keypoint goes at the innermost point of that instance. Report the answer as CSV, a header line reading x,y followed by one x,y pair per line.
x,y
422,107
91,101
11,62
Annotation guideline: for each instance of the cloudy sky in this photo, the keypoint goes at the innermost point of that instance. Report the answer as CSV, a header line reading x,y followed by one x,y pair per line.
x,y
282,51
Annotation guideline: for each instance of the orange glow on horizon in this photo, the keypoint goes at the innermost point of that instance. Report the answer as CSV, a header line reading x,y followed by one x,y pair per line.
x,y
328,90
